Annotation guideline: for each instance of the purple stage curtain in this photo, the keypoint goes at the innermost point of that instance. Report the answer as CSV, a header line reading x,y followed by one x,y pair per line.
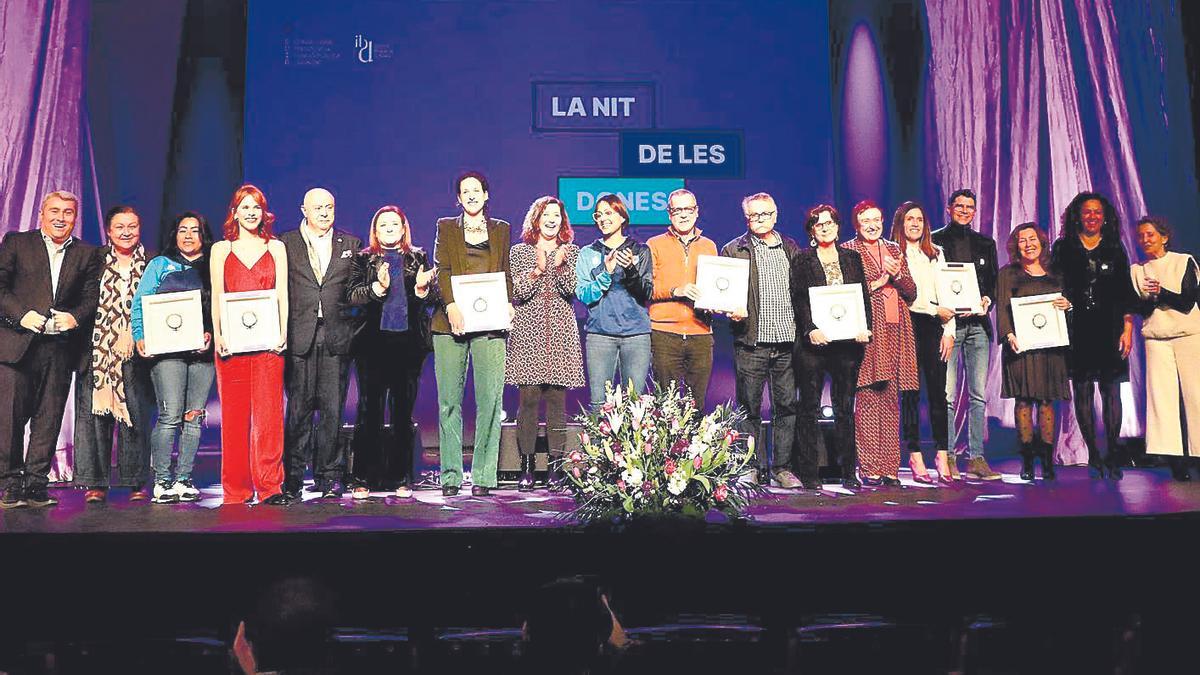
x,y
998,73
42,48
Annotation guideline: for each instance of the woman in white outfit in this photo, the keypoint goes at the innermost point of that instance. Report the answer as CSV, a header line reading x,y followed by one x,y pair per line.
x,y
1167,284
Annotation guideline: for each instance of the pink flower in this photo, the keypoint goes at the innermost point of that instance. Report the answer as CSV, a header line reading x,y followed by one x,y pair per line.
x,y
669,467
647,487
575,472
648,448
605,427
679,446
576,456
731,436
721,493
620,485
618,457
584,438
696,462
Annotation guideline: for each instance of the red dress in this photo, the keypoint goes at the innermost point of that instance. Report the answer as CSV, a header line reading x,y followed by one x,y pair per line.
x,y
251,390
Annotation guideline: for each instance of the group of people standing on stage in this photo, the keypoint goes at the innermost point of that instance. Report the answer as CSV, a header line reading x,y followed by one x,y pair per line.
x,y
69,308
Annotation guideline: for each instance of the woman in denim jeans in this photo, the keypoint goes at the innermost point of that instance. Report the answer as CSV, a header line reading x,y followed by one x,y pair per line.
x,y
182,382
613,277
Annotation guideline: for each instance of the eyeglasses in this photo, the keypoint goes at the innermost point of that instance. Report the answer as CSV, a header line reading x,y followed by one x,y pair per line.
x,y
682,210
597,215
764,215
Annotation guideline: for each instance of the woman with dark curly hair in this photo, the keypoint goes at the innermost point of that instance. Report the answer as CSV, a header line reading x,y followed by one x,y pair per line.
x,y
1036,378
1094,269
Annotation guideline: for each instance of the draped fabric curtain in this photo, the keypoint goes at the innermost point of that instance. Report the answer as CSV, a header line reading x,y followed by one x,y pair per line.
x,y
42,53
1026,94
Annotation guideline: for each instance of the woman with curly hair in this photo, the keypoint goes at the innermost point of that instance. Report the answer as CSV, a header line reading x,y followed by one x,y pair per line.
x,y
544,357
1094,269
1036,378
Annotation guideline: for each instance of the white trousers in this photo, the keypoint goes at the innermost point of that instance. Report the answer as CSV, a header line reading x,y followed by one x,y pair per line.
x,y
1172,366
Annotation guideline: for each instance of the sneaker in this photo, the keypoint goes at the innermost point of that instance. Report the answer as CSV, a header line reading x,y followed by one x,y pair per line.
x,y
404,492
978,468
785,479
186,490
14,497
39,497
164,493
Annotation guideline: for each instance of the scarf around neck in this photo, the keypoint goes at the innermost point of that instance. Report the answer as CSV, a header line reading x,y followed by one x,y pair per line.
x,y
112,322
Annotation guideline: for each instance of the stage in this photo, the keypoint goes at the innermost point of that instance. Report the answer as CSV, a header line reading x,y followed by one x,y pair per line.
x,y
1077,552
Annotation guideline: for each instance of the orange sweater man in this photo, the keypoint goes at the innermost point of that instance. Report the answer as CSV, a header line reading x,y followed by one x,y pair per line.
x,y
681,341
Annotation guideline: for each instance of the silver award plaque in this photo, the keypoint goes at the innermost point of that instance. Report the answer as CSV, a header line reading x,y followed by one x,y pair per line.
x,y
250,321
723,284
172,322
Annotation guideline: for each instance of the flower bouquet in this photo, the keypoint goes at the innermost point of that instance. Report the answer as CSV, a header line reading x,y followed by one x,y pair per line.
x,y
657,454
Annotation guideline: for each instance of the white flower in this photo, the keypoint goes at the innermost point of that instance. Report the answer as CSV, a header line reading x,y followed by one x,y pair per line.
x,y
632,476
677,483
697,447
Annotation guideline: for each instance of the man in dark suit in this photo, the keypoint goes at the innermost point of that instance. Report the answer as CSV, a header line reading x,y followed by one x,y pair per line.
x,y
320,329
48,293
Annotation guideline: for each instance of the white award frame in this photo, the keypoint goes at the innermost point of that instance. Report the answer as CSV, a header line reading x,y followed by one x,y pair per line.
x,y
838,311
1038,324
483,301
172,322
723,284
958,287
250,321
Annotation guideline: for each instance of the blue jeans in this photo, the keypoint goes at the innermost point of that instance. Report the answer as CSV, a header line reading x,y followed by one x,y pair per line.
x,y
604,352
180,386
972,345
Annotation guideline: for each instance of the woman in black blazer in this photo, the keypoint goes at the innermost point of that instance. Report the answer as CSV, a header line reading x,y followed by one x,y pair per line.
x,y
826,264
390,281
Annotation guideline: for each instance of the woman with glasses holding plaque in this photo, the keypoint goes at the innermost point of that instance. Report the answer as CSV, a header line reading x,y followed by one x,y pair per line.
x,y
1094,268
470,243
544,358
826,264
1168,285
614,278
250,384
1038,377
182,381
390,281
889,364
933,335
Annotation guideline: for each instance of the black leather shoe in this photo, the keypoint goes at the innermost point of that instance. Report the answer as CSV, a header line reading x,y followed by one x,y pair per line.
x,y
449,490
525,483
1114,471
333,491
888,481
811,483
280,499
14,498
851,482
39,497
480,491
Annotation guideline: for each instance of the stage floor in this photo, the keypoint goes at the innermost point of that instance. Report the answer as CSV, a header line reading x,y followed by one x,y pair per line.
x,y
1143,492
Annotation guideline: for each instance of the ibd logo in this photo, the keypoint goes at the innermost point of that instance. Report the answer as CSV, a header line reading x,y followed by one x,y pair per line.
x,y
365,47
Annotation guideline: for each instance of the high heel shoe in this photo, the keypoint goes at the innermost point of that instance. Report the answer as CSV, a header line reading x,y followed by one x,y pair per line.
x,y
916,464
942,460
890,481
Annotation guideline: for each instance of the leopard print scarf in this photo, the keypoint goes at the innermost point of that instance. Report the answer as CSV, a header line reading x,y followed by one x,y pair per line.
x,y
112,325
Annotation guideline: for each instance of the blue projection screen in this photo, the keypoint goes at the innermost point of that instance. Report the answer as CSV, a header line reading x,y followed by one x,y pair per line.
x,y
386,102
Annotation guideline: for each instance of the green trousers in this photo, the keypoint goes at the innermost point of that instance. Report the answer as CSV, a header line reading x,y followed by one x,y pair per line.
x,y
451,356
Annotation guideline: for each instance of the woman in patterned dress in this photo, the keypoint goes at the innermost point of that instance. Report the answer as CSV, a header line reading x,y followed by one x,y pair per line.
x,y
544,357
890,363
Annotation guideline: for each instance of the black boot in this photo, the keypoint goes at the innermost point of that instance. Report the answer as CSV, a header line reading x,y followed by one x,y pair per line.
x,y
525,483
554,473
1179,468
1047,455
1114,461
1027,461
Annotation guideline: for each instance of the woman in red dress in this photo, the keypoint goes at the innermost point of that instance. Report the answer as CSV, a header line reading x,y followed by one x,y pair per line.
x,y
890,363
250,384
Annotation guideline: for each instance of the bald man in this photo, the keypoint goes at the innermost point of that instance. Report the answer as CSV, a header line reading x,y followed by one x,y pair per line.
x,y
320,329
